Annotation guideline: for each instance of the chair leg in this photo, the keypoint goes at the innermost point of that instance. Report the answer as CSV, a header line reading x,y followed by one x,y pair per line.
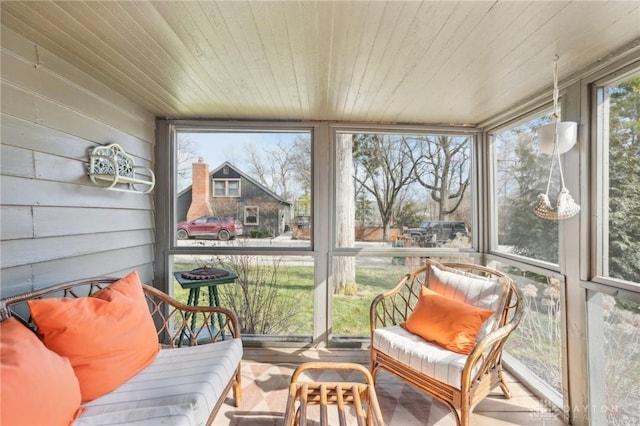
x,y
237,388
465,410
372,366
454,411
503,386
464,417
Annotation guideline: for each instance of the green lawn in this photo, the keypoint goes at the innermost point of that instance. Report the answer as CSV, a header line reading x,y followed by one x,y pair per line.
x,y
351,313
294,291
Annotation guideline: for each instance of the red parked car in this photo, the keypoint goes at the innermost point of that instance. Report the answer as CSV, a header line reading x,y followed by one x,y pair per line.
x,y
222,228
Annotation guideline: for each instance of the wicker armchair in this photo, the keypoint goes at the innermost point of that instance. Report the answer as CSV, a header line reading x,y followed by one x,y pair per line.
x,y
460,381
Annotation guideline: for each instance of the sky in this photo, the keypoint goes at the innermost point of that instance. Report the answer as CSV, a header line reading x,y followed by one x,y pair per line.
x,y
216,148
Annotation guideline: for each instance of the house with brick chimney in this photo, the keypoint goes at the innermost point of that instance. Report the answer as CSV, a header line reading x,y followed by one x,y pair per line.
x,y
229,192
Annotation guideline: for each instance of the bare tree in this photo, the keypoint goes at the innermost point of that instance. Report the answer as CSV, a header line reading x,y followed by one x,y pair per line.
x,y
301,159
186,154
283,168
442,167
345,266
405,212
383,166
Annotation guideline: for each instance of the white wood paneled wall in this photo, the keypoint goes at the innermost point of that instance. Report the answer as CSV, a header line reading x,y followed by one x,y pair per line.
x,y
55,225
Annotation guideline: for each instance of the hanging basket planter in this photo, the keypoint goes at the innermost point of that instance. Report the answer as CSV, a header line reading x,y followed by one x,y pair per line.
x,y
565,209
563,136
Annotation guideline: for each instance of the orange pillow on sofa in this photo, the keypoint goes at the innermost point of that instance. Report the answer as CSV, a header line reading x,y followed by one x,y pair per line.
x,y
109,336
447,322
37,386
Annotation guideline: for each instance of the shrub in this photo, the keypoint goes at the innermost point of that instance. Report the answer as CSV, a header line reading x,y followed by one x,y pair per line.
x,y
258,298
260,233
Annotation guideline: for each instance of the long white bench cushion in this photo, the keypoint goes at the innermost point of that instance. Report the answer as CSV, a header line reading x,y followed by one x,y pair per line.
x,y
180,387
429,358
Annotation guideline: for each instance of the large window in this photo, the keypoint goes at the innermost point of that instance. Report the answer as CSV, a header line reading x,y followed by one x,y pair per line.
x,y
614,359
529,247
414,187
535,346
613,298
399,198
257,184
272,295
520,174
619,121
238,199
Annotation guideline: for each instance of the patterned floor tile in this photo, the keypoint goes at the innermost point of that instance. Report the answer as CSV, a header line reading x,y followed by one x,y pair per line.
x,y
265,389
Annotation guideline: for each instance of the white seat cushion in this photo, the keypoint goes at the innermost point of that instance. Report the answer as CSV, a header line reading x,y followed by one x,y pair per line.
x,y
181,387
429,358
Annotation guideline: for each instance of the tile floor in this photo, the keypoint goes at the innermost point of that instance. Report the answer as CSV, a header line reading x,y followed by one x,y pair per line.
x,y
265,388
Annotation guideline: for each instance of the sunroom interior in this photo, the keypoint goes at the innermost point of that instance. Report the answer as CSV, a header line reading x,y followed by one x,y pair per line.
x,y
337,133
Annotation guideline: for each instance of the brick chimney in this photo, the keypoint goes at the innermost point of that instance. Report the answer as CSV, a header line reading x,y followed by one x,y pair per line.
x,y
200,202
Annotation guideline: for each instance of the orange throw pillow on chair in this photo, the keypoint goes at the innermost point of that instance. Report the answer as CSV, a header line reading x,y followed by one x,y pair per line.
x,y
447,322
109,336
37,386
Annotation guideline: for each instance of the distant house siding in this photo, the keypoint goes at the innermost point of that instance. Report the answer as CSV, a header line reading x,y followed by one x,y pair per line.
x,y
252,195
182,205
56,225
273,214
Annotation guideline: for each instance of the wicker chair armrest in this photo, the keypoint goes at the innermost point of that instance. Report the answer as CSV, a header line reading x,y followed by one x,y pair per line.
x,y
487,352
402,282
179,324
393,306
489,341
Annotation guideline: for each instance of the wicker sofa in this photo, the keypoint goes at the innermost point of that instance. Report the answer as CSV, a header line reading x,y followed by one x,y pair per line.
x,y
459,378
195,364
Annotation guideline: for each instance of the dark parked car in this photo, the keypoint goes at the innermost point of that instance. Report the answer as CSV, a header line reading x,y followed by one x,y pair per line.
x,y
222,228
435,233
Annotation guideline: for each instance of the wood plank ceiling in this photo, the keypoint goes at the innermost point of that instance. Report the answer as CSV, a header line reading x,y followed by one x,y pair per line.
x,y
407,62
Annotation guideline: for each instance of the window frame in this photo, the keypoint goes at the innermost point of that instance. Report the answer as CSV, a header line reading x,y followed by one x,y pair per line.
x,y
538,386
336,251
472,133
600,177
257,215
167,248
226,188
594,274
169,130
539,110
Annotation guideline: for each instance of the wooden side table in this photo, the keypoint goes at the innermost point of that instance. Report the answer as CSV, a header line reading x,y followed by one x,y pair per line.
x,y
361,396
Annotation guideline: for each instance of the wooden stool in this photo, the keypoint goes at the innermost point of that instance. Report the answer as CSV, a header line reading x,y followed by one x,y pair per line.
x,y
362,396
